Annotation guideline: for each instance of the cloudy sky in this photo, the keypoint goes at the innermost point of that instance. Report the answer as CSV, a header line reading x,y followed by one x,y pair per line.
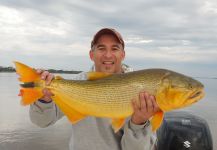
x,y
174,34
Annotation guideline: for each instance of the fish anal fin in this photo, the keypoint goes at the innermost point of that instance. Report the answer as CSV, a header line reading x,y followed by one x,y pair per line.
x,y
30,95
97,75
117,123
73,115
26,73
157,120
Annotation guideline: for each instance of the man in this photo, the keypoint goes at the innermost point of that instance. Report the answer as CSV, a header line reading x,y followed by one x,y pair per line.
x,y
107,53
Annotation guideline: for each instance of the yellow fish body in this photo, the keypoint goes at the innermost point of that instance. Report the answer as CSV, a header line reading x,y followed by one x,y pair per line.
x,y
106,95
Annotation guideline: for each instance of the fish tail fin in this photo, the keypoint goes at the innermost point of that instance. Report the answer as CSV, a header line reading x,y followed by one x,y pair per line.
x,y
30,95
26,73
157,120
31,90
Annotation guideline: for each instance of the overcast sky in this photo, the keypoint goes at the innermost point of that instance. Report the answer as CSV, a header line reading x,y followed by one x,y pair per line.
x,y
175,34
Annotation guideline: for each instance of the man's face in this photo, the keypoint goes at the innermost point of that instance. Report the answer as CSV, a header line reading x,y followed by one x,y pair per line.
x,y
107,54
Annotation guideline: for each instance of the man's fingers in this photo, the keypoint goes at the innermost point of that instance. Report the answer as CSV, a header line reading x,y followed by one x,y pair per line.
x,y
47,92
143,104
39,71
44,75
49,78
146,108
155,105
148,103
135,106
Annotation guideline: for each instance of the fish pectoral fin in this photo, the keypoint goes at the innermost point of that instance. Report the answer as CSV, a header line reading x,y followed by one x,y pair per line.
x,y
157,120
30,95
97,75
73,115
117,123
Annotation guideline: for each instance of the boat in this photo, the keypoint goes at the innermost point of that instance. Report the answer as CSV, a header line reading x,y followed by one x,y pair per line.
x,y
184,131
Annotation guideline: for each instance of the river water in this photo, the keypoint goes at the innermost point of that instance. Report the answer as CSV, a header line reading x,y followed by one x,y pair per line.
x,y
16,130
18,133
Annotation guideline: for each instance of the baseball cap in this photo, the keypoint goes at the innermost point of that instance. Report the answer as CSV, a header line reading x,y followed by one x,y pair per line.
x,y
107,31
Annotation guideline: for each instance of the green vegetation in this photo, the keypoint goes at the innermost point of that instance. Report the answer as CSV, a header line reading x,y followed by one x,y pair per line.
x,y
11,69
63,71
7,69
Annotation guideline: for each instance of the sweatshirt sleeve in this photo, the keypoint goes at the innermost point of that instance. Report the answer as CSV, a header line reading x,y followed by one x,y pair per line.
x,y
139,137
44,114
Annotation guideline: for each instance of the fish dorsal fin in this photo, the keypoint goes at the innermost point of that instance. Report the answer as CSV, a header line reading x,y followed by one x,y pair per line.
x,y
117,123
157,120
58,77
97,75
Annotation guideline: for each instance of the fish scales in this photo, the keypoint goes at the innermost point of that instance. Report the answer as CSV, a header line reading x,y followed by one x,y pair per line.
x,y
107,94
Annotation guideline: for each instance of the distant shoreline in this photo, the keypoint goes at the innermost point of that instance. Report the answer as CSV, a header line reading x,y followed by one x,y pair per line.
x,y
11,70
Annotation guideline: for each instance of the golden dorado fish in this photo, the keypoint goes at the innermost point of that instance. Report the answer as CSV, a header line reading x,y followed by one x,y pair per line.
x,y
110,95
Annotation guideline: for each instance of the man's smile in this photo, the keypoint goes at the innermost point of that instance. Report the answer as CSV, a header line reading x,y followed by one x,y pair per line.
x,y
108,62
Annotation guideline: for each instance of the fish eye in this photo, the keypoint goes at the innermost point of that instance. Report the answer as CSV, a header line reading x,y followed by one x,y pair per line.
x,y
191,87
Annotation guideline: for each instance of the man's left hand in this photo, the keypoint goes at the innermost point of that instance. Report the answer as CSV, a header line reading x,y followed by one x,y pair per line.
x,y
145,109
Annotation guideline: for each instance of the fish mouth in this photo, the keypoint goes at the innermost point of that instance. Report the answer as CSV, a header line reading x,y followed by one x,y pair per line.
x,y
198,94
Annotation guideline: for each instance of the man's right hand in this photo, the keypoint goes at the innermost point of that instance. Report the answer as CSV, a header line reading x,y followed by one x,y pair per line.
x,y
48,77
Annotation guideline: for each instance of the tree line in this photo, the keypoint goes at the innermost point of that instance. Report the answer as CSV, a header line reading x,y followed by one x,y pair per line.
x,y
11,69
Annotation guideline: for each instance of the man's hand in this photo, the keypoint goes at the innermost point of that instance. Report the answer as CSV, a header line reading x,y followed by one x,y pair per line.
x,y
48,77
146,108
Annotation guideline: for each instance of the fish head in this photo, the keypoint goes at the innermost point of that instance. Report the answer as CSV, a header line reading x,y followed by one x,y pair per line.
x,y
177,91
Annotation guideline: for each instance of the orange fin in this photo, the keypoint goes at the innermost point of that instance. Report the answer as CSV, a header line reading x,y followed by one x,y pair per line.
x,y
117,123
26,73
157,120
30,95
58,77
97,75
73,115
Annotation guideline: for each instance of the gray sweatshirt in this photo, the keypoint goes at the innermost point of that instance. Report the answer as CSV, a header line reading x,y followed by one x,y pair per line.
x,y
94,133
